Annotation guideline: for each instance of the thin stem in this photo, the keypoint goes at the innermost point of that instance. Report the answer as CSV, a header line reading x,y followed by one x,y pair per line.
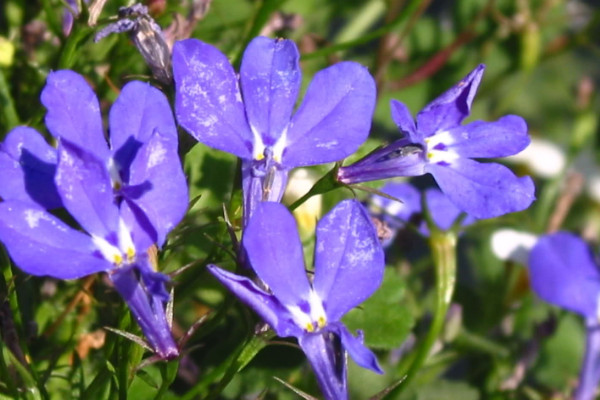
x,y
443,247
590,370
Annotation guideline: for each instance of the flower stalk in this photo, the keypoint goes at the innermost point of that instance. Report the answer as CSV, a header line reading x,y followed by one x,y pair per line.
x,y
443,248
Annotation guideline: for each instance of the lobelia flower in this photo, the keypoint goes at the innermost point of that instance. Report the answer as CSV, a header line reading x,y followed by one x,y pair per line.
x,y
397,214
438,144
126,197
251,116
564,271
349,267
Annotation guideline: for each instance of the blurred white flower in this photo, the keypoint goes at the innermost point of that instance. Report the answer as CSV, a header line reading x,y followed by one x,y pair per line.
x,y
513,245
544,158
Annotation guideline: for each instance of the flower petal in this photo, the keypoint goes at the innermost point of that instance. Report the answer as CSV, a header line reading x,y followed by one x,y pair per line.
x,y
328,360
28,165
139,112
349,260
265,305
481,139
148,310
483,190
158,186
335,117
563,272
443,212
41,244
208,103
403,118
74,112
450,108
270,77
86,190
401,212
356,349
275,252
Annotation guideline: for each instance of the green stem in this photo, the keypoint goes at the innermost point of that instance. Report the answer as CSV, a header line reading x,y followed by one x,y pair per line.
x,y
227,370
6,104
443,247
326,184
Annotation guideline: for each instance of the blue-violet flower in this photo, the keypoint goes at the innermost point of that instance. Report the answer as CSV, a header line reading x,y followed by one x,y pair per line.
x,y
349,267
564,272
126,197
251,117
396,214
438,144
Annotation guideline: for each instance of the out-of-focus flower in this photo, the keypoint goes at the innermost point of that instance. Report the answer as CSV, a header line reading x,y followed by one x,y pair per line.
x,y
544,158
7,52
564,272
513,245
251,116
348,269
438,144
396,214
147,36
125,197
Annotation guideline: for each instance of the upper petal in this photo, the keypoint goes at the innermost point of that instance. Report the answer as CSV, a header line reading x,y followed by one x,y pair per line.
x,y
139,112
349,260
483,190
501,138
450,108
86,190
335,117
563,272
208,103
74,112
403,119
270,77
273,246
158,186
264,304
28,165
41,244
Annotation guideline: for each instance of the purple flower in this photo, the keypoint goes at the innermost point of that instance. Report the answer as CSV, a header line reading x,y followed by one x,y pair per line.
x,y
438,144
125,197
564,271
251,116
397,214
70,12
348,269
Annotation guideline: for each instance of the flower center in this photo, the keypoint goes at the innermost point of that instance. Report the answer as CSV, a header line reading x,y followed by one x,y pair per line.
x,y
313,319
439,149
123,252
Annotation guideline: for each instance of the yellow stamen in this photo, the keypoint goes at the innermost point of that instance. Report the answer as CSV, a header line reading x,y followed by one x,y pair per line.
x,y
130,253
117,260
321,322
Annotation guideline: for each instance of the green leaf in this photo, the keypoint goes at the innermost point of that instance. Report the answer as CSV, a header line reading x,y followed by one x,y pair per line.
x,y
383,319
443,390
